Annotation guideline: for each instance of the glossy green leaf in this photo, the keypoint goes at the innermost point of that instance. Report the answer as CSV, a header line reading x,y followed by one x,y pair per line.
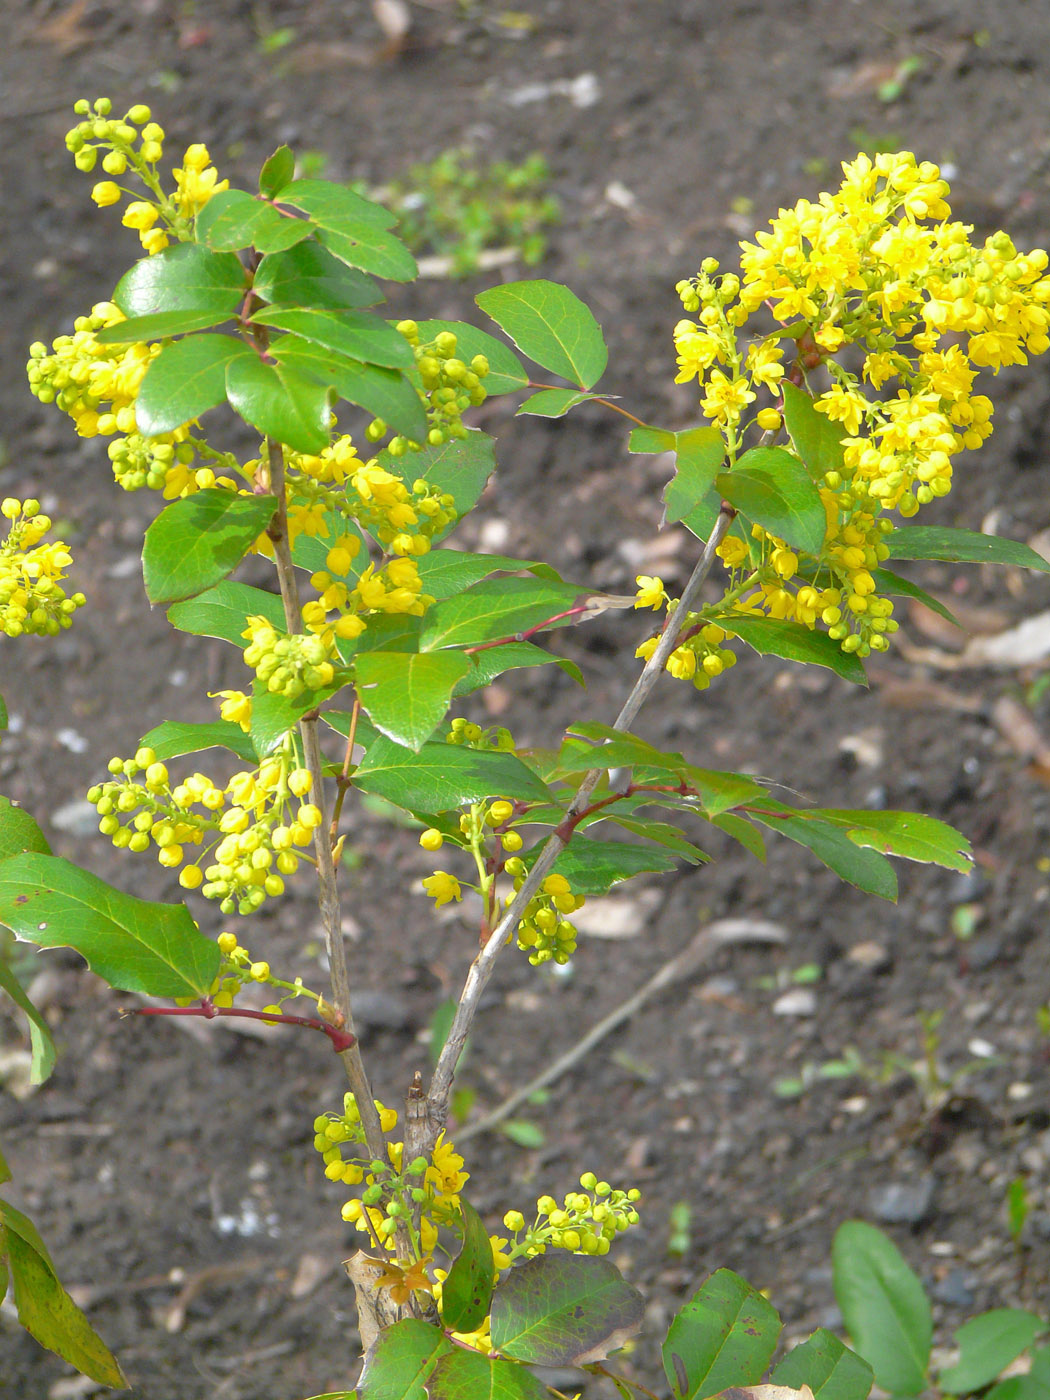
x,y
221,611
466,1292
371,249
662,833
564,1310
45,1309
233,219
857,865
278,171
184,277
469,1375
173,738
309,276
498,608
792,641
407,695
987,1344
493,661
41,1044
742,831
646,441
133,944
827,1366
335,206
446,572
719,792
443,776
613,749
506,372
459,468
552,403
961,547
18,831
593,866
552,326
159,326
816,439
907,834
399,1362
772,488
186,379
892,585
357,334
699,453
386,393
198,540
883,1305
279,402
724,1336
274,714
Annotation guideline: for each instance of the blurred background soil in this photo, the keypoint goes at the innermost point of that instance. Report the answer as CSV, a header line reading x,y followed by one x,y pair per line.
x,y
171,1173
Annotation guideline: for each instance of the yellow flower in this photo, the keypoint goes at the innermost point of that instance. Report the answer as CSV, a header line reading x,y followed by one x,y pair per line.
x,y
105,193
650,592
442,887
140,216
726,398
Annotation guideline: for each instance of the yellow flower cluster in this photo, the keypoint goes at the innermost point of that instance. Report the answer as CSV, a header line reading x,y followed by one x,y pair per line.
x,y
96,385
287,664
544,931
699,656
32,599
252,824
879,265
449,387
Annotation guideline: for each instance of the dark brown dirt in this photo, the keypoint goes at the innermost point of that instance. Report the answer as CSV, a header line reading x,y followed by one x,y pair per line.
x,y
172,1176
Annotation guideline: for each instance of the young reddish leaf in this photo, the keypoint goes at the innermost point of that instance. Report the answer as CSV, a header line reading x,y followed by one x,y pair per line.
x,y
467,1291
552,326
184,277
279,402
133,944
724,1336
186,379
564,1310
198,540
407,695
772,488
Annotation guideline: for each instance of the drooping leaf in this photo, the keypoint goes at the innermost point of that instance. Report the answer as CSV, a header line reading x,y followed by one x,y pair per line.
x,y
593,867
234,219
18,831
173,738
184,277
499,608
133,944
552,403
699,453
459,468
564,1310
186,379
407,695
892,585
41,1044
859,866
45,1309
466,1292
309,276
443,776
816,439
771,636
159,326
506,372
724,1336
468,1375
552,326
771,487
987,1344
743,832
359,335
663,833
221,611
400,1361
907,834
827,1366
961,547
198,540
279,402
883,1305
278,170
386,393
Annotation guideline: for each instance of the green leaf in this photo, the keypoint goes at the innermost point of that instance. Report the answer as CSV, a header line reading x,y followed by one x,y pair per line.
x,y
446,572
592,867
310,552
883,1305
552,403
524,1133
987,1345
356,334
827,1366
133,944
278,170
459,468
613,748
1019,1388
564,1310
386,393
772,488
221,611
816,439
3,714
233,219
552,326
335,206
173,738
279,402
468,1375
466,1292
159,326
506,372
646,441
864,868
186,379
45,1309
663,834
892,585
719,792
371,249
41,1044
198,540
724,1336
493,661
184,277
406,695
273,714
742,831
443,776
961,547
500,608
309,276
18,831
699,452
399,1363
907,834
771,636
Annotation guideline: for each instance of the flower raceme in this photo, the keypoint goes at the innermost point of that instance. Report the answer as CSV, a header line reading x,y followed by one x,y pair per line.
x,y
32,599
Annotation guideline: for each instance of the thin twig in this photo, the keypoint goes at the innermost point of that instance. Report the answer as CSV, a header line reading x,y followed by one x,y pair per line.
x,y
482,967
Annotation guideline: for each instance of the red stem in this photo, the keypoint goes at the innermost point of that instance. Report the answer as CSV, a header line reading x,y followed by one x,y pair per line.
x,y
341,1040
529,632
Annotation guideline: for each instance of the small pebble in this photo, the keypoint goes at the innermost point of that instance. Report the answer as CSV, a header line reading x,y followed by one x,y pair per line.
x,y
799,1001
903,1202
